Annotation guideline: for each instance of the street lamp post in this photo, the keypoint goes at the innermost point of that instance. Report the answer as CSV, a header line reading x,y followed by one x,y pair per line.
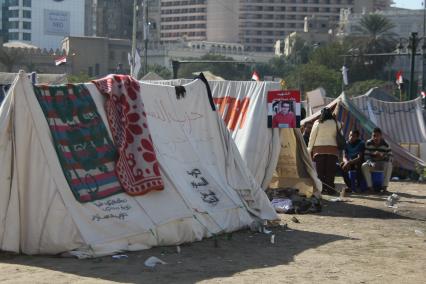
x,y
413,43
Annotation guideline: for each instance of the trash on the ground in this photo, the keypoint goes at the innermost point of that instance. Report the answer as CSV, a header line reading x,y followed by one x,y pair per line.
x,y
419,233
178,249
265,231
282,205
337,199
152,261
392,200
120,256
273,239
395,179
294,219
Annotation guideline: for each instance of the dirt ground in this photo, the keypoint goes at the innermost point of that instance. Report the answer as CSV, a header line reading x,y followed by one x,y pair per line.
x,y
357,241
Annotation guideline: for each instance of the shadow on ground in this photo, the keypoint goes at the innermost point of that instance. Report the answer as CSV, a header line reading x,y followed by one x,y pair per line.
x,y
244,250
352,210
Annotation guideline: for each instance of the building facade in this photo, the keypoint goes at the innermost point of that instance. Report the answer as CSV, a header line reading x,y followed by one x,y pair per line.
x,y
44,23
263,22
199,20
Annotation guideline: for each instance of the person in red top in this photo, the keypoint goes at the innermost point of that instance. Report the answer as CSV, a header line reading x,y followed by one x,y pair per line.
x,y
284,117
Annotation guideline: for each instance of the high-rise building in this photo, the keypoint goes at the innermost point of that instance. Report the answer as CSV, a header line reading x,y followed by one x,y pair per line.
x,y
43,23
257,24
263,22
199,20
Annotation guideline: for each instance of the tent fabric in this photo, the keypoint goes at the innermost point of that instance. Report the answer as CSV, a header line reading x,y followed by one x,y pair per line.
x,y
402,121
273,155
352,118
137,166
243,107
73,120
208,189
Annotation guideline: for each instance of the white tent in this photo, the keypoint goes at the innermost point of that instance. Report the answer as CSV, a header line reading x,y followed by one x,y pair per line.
x,y
277,158
39,214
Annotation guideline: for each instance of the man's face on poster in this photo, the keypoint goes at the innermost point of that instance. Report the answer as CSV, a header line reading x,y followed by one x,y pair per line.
x,y
285,108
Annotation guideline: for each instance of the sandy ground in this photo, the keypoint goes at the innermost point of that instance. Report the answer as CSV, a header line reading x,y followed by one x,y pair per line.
x,y
358,241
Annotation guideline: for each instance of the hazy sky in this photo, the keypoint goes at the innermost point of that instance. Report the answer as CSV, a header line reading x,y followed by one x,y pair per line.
x,y
409,4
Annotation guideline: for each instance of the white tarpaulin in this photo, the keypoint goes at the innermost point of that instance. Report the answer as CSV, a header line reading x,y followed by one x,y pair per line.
x,y
208,189
277,155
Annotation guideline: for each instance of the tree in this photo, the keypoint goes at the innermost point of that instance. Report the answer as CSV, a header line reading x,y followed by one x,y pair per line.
x,y
361,87
375,37
229,71
10,57
79,78
160,70
311,76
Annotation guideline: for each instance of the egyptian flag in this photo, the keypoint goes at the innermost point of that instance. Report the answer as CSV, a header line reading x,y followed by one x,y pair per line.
x,y
399,79
255,76
60,60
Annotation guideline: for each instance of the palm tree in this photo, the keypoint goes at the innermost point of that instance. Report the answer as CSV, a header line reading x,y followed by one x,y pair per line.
x,y
377,33
374,36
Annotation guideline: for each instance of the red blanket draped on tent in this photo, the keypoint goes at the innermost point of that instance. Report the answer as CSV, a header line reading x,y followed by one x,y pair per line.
x,y
137,165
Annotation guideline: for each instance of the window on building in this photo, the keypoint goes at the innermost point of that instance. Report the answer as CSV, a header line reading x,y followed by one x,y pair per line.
x,y
14,2
26,25
26,14
111,54
13,13
26,36
13,25
97,69
27,3
14,36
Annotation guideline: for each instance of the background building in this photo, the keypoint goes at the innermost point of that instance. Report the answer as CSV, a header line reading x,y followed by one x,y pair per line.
x,y
263,22
44,23
199,20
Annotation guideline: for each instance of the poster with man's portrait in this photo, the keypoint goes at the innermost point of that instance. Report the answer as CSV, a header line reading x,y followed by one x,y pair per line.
x,y
284,109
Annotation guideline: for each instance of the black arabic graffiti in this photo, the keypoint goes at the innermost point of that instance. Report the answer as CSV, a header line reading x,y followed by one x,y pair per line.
x,y
208,195
120,216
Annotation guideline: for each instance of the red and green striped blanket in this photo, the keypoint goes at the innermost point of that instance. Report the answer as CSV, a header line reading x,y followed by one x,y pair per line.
x,y
86,153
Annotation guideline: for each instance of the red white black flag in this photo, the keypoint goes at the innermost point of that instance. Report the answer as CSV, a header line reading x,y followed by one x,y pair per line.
x,y
61,60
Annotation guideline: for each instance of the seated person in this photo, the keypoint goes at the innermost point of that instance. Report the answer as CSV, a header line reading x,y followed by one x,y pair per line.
x,y
378,157
353,157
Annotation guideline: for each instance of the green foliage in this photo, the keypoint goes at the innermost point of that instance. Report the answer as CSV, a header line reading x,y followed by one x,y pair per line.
x,y
330,55
79,78
361,87
160,70
311,76
10,57
228,71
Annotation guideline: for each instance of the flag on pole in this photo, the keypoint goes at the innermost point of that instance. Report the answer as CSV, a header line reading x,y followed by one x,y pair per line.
x,y
399,78
255,76
423,93
137,65
60,60
345,75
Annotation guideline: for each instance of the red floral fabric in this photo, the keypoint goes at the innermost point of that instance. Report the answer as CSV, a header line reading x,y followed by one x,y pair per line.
x,y
137,165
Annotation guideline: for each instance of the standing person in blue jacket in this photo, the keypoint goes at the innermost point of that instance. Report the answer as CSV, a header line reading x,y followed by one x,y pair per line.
x,y
378,157
353,157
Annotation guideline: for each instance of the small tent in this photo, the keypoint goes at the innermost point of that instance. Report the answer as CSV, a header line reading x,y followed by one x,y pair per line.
x,y
208,189
352,118
402,121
